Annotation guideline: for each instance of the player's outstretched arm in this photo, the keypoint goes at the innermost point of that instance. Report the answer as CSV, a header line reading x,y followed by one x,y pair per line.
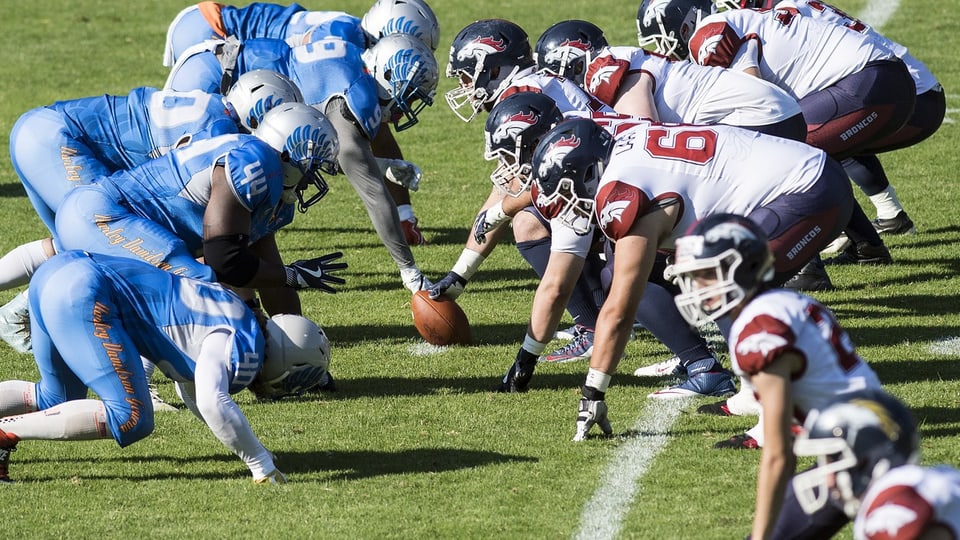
x,y
221,413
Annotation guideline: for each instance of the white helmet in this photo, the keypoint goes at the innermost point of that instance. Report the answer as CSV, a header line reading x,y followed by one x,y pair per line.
x,y
308,145
413,17
406,73
258,91
296,358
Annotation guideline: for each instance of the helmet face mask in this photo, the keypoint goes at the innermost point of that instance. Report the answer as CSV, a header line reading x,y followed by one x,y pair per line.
x,y
668,24
856,440
511,134
485,57
567,165
721,262
308,147
407,74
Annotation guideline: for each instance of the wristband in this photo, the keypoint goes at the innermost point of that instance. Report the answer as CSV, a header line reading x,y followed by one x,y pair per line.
x,y
597,379
291,280
533,346
468,263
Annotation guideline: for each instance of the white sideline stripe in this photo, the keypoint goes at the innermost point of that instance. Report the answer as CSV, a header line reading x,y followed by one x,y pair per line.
x,y
948,346
603,514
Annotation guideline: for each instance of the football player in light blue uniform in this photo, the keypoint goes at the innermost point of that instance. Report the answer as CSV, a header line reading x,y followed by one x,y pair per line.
x,y
70,143
220,198
296,26
200,334
334,77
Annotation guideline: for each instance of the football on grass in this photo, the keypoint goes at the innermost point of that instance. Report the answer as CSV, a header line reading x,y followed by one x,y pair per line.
x,y
440,321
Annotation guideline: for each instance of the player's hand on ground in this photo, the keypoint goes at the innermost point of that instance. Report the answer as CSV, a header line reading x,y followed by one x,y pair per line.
x,y
316,273
590,412
518,378
450,286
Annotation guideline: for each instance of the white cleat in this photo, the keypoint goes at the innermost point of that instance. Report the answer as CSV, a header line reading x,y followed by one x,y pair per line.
x,y
660,369
159,405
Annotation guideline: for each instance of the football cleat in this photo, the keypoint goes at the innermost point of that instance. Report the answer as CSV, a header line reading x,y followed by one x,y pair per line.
x,y
159,405
706,378
15,323
898,224
812,277
667,368
8,445
718,408
566,334
579,348
862,253
739,442
412,232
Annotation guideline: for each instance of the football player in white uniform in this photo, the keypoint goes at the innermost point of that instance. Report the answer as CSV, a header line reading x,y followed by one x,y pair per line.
x,y
853,90
866,446
795,354
927,117
652,182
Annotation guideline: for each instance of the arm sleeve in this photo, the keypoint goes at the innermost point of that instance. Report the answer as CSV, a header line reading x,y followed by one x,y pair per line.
x,y
361,168
219,411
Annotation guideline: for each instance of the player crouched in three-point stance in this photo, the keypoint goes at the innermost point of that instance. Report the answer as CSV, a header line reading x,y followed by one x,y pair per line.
x,y
199,334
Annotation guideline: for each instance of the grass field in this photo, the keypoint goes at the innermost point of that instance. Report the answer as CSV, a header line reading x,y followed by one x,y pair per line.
x,y
414,444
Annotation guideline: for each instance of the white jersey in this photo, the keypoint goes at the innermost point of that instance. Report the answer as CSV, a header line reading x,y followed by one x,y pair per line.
x,y
689,93
782,320
704,169
906,500
922,77
799,54
566,93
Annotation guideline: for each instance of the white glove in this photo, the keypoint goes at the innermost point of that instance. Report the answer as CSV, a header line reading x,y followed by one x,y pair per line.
x,y
272,477
591,411
401,172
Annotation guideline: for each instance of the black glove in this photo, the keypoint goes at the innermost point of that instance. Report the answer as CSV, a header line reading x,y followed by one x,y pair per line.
x,y
316,273
518,378
486,221
450,286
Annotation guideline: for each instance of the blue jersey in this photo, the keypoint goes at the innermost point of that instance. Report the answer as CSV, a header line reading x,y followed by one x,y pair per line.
x,y
119,309
125,131
322,69
70,143
155,212
174,190
258,20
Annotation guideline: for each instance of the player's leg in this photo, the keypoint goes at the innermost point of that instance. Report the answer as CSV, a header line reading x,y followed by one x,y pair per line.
x,y
49,161
91,219
197,70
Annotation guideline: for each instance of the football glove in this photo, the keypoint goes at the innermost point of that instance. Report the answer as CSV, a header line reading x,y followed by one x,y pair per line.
x,y
518,378
316,273
591,411
486,221
273,477
450,286
401,172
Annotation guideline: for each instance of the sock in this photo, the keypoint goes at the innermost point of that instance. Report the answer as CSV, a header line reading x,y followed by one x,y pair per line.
x,y
859,229
17,397
887,203
658,314
77,420
20,263
867,173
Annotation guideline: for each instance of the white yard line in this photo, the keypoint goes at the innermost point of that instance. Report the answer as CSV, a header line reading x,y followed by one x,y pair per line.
x,y
602,516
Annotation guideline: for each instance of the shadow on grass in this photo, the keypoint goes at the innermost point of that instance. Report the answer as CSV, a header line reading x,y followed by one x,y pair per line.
x,y
932,422
908,371
345,465
12,190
